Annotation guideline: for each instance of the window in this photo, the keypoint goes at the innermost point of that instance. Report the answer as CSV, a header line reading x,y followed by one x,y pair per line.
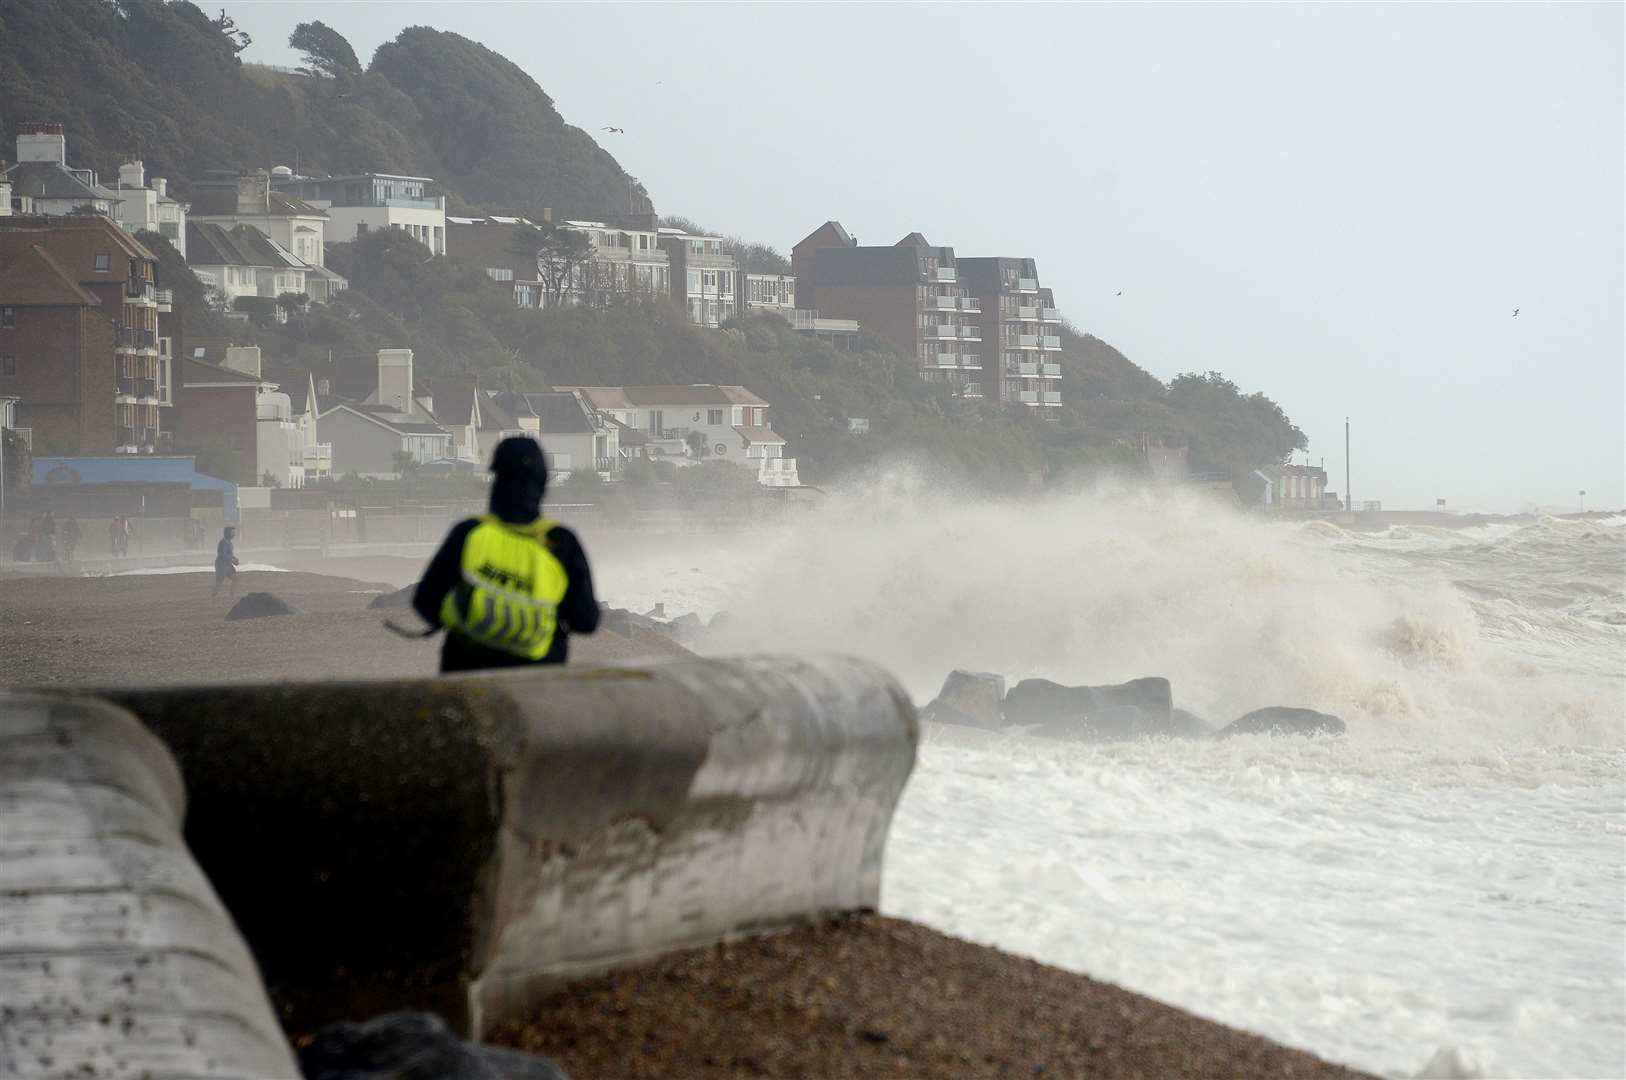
x,y
104,263
726,281
714,418
498,273
8,317
361,228
8,365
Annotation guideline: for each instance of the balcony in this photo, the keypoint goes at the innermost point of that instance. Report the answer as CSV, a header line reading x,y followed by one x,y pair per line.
x,y
1051,343
1050,314
946,360
1028,397
1027,341
166,300
1022,371
1052,397
125,437
971,390
971,361
971,304
1029,313
131,339
944,332
139,289
1027,284
945,273
970,333
1051,371
944,303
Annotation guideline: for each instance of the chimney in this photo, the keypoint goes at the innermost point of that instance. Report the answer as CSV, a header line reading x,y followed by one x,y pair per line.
x,y
160,185
132,174
244,358
395,379
254,193
42,142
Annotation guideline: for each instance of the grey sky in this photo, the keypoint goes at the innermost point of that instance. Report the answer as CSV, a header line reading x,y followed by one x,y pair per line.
x,y
1338,205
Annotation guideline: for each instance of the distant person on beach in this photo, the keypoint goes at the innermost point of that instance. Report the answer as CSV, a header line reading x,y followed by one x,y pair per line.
x,y
118,536
225,563
509,586
45,539
70,538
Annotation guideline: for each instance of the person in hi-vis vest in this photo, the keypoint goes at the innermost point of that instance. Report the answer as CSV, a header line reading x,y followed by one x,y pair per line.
x,y
509,586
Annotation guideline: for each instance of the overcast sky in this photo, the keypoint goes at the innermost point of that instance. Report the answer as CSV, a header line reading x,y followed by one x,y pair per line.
x,y
1338,205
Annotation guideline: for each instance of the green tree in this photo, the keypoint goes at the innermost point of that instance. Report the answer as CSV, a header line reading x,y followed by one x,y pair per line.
x,y
327,54
558,253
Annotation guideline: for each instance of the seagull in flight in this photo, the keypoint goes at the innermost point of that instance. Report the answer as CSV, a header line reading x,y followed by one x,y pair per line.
x,y
615,130
1120,292
1515,313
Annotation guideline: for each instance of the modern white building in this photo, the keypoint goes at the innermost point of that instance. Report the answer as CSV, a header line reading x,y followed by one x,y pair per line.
x,y
368,202
626,261
703,276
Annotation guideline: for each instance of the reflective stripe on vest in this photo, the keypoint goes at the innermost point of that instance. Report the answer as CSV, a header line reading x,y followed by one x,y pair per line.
x,y
511,588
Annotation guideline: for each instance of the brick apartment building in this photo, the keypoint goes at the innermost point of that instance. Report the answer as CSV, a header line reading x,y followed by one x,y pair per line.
x,y
909,293
1021,331
79,336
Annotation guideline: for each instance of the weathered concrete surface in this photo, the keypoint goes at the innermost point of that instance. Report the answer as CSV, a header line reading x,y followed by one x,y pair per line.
x,y
116,958
462,845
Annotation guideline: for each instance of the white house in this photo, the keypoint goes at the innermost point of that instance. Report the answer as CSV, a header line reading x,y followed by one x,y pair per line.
x,y
689,424
140,206
242,261
367,202
42,178
626,261
291,223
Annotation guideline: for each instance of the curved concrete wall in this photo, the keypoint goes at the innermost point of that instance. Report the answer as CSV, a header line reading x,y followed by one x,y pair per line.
x,y
464,844
116,958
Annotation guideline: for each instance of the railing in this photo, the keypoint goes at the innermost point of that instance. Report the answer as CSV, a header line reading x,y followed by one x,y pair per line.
x,y
971,361
1051,342
1030,371
140,289
166,299
947,360
125,387
946,330
1052,397
1028,397
971,390
1051,371
970,333
1027,284
1027,341
1028,313
146,388
604,464
971,304
407,204
945,273
1050,314
946,303
129,337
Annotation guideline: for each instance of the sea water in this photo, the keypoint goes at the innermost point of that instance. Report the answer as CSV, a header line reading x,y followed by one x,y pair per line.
x,y
1446,883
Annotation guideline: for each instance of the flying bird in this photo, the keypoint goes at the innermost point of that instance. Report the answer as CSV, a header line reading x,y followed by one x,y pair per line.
x,y
1515,313
615,130
1120,292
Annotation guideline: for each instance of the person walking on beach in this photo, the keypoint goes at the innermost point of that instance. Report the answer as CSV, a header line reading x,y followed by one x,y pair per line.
x,y
225,563
70,538
118,536
510,586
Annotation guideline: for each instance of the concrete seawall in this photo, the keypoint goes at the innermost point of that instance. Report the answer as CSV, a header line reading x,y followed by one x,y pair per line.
x,y
463,845
116,958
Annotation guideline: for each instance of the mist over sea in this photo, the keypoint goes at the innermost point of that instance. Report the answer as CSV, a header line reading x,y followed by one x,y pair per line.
x,y
1451,876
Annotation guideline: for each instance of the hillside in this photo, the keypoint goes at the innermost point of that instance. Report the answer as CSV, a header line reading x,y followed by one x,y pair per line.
x,y
164,81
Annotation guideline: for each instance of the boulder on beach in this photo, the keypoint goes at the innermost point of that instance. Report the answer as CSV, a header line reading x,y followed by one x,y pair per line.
x,y
1138,709
1282,720
259,605
615,621
1188,725
686,628
413,1046
972,698
400,598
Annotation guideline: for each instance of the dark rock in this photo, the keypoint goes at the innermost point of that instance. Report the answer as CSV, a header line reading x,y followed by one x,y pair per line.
x,y
413,1046
616,621
1138,709
259,605
1188,725
686,628
969,697
400,598
1282,720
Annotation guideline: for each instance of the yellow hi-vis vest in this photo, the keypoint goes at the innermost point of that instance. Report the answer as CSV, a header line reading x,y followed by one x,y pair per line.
x,y
512,585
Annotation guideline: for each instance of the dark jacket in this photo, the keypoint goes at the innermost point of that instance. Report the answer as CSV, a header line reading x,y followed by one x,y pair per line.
x,y
577,612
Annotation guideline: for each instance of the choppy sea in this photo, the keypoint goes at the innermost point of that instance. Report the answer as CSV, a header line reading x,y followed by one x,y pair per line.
x,y
1440,892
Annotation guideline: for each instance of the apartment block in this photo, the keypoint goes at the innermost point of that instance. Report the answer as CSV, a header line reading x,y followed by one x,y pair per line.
x,y
703,276
1021,331
367,202
628,260
909,293
79,335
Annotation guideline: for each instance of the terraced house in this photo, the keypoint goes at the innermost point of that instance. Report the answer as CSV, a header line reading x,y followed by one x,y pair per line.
x,y
79,336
